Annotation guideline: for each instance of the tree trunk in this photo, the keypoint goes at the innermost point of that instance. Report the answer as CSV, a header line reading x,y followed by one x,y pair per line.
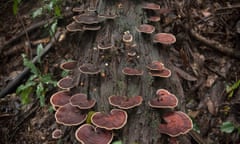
x,y
143,121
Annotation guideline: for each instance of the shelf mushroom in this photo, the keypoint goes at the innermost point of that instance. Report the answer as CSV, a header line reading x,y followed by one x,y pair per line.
x,y
69,115
157,69
88,68
164,38
57,134
177,123
69,65
124,102
60,98
164,99
65,83
88,134
115,120
81,101
145,28
74,27
132,72
150,6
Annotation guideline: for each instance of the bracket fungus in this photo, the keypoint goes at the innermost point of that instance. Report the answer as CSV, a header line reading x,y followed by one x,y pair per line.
x,y
115,120
69,65
150,6
87,19
57,134
164,99
177,123
124,102
127,37
88,134
154,18
164,38
70,115
104,45
157,69
74,26
145,28
132,72
60,98
65,83
81,101
88,68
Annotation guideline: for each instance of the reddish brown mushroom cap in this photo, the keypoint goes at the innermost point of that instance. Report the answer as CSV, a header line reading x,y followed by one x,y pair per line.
x,y
65,83
177,123
69,115
60,98
154,18
89,69
105,45
87,19
127,37
91,27
164,99
164,38
57,134
124,102
73,27
155,65
151,6
165,73
88,134
70,65
145,28
81,101
115,120
108,16
131,71
78,9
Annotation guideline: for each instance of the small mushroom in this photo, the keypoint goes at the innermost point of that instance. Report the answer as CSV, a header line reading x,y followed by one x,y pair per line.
x,y
108,16
164,38
60,98
73,27
69,115
124,102
164,99
127,37
105,45
115,120
69,65
78,9
150,6
145,28
57,134
81,101
88,68
177,123
88,134
154,18
132,72
155,65
87,19
164,73
91,27
65,83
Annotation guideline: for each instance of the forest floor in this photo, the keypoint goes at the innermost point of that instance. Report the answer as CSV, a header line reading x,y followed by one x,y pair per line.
x,y
206,57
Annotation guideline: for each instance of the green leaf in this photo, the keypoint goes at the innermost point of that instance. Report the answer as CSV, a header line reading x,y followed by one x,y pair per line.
x,y
15,6
24,94
53,28
37,12
57,11
26,86
39,52
47,79
227,127
117,142
30,65
89,116
41,94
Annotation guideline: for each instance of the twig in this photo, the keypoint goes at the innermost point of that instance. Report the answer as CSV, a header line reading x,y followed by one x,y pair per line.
x,y
32,27
216,45
13,84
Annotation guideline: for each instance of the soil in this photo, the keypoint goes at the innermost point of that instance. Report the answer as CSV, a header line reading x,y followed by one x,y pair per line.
x,y
204,61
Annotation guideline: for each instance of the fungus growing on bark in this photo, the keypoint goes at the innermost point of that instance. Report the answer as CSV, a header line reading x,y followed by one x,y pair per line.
x,y
155,65
108,16
154,18
132,72
150,6
78,9
157,69
70,115
81,101
115,120
88,134
145,28
65,83
177,123
70,65
73,27
164,38
127,37
105,45
124,102
91,27
87,19
88,68
164,99
60,98
57,134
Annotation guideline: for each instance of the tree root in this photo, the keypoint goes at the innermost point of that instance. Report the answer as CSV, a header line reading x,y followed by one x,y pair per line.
x,y
216,45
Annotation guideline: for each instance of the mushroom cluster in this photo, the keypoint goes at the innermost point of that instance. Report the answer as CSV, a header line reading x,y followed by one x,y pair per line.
x,y
176,122
162,38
